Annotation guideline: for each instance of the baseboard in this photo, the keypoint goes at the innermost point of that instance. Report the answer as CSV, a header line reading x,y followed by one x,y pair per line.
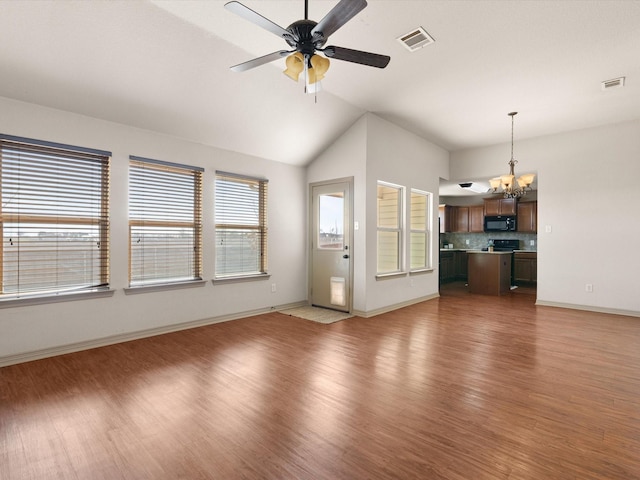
x,y
589,308
390,308
127,337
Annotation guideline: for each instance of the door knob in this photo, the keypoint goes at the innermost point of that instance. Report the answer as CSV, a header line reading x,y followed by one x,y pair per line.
x,y
345,256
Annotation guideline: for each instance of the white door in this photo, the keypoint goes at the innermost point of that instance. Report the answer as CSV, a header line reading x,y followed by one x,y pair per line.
x,y
330,278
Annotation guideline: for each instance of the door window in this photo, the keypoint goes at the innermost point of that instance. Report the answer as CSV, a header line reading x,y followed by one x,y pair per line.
x,y
331,221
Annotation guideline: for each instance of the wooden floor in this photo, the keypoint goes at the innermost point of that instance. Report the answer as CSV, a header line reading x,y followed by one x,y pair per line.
x,y
462,387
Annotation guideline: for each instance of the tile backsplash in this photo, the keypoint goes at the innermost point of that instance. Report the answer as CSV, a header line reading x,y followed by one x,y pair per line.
x,y
478,241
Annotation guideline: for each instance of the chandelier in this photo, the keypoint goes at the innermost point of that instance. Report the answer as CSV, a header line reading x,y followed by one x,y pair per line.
x,y
507,182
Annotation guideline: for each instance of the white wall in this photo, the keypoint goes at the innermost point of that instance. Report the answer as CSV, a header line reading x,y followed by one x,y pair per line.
x,y
371,150
347,157
34,330
397,156
588,195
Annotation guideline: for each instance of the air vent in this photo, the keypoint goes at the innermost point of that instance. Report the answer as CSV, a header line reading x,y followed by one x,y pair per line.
x,y
613,83
416,39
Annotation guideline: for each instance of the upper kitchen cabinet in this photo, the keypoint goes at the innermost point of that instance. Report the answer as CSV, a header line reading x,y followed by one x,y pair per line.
x,y
446,215
461,219
528,217
476,219
499,206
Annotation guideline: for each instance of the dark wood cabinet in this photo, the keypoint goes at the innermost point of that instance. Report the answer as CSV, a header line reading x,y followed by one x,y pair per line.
x,y
447,267
476,218
446,214
499,206
461,219
528,217
460,260
525,267
453,265
489,273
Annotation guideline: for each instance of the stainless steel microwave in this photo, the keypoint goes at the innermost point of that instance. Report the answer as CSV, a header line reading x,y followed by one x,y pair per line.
x,y
500,223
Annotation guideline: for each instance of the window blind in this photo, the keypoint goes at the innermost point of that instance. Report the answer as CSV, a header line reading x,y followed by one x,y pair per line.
x,y
241,225
389,227
54,217
419,234
165,222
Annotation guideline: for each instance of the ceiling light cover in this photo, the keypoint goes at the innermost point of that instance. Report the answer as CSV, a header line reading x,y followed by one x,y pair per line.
x,y
295,65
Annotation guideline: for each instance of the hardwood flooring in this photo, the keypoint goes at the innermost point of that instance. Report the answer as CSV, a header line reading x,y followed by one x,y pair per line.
x,y
462,387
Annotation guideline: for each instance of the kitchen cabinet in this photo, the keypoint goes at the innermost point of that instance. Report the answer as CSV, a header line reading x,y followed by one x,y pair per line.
x,y
447,267
525,267
476,218
528,217
460,219
453,265
460,259
489,273
499,206
446,215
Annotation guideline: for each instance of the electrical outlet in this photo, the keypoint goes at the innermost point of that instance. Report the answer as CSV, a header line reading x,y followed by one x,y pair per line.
x,y
588,288
466,241
273,288
532,243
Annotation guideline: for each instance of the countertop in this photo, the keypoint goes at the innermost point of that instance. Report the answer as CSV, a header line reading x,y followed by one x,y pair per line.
x,y
475,250
490,253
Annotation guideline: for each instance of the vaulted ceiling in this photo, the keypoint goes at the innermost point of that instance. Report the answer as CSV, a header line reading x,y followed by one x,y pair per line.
x,y
163,65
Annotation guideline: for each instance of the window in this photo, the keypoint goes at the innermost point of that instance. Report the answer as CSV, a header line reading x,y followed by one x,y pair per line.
x,y
331,221
165,222
419,257
389,227
241,225
54,218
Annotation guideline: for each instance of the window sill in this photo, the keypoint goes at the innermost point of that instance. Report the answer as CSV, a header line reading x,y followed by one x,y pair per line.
x,y
163,287
421,271
384,276
56,298
241,278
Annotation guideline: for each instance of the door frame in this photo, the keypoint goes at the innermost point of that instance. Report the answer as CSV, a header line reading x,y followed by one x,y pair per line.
x,y
311,236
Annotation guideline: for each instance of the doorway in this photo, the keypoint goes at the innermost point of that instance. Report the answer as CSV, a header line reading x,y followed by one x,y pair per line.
x,y
330,272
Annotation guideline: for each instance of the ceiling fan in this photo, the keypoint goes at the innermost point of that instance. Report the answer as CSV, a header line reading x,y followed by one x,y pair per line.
x,y
307,38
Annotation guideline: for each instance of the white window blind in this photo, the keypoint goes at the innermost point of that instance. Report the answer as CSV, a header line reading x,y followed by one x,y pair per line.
x,y
241,225
54,217
165,222
389,225
419,215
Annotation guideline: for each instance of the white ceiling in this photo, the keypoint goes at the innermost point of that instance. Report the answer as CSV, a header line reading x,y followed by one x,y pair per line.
x,y
164,65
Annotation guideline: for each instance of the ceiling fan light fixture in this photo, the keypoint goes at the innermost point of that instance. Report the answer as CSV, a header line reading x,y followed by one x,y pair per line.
x,y
306,37
319,66
295,65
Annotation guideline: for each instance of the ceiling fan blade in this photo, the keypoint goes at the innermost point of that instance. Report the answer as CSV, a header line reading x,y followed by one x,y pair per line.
x,y
338,16
357,56
256,62
254,17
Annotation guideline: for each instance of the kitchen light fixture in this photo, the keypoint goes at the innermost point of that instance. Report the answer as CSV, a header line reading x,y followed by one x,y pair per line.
x,y
506,182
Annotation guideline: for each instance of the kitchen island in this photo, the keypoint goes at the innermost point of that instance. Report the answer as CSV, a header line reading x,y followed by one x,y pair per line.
x,y
489,273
